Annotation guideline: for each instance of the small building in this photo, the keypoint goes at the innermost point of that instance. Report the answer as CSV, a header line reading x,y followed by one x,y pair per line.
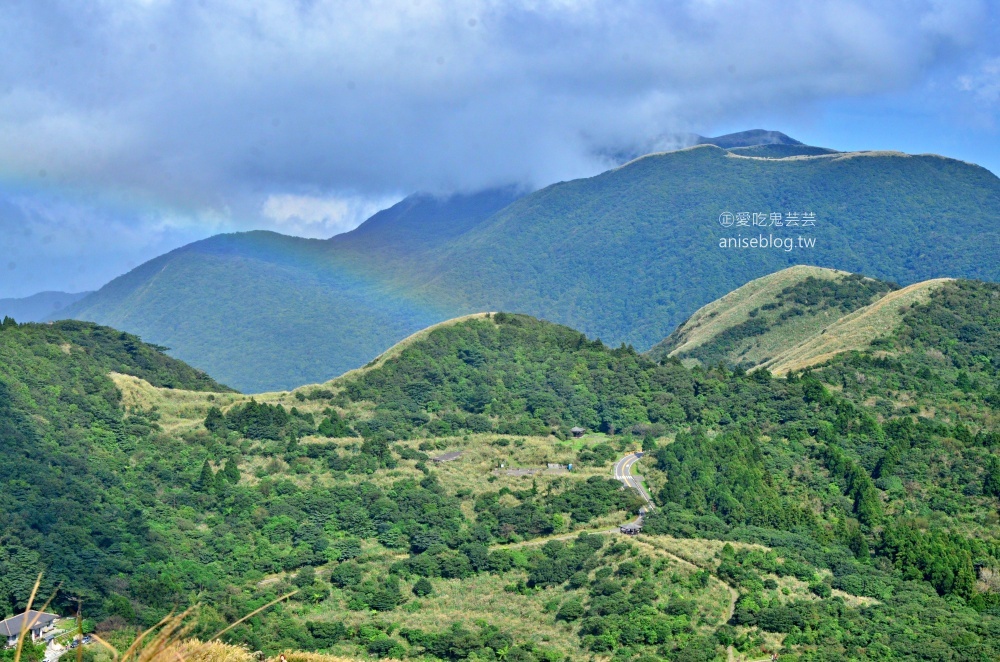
x,y
447,457
36,623
631,529
577,432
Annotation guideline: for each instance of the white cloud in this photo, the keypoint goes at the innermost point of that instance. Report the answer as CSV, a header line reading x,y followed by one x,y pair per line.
x,y
234,114
311,216
223,102
984,85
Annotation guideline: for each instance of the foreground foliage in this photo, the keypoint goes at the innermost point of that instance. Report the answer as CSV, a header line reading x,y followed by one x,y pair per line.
x,y
850,512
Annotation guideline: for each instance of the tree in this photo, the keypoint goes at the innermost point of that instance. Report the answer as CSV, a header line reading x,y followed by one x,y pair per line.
x,y
231,471
347,574
570,610
206,480
991,482
422,587
304,577
387,597
215,422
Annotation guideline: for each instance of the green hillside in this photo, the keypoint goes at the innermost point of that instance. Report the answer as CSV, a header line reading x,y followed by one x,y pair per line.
x,y
66,504
625,256
769,316
844,513
258,310
261,310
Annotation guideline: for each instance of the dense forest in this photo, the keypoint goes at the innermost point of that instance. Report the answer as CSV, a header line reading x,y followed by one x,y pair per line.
x,y
851,511
624,256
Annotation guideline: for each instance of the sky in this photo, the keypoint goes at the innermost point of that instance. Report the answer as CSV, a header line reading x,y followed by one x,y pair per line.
x,y
131,127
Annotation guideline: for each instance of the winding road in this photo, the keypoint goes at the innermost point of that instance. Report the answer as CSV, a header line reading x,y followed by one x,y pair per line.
x,y
623,472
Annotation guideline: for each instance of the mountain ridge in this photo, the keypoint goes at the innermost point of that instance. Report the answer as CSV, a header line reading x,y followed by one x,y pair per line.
x,y
424,505
39,306
626,256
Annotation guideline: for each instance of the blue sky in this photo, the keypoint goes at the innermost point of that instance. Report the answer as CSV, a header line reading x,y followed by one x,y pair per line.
x,y
131,127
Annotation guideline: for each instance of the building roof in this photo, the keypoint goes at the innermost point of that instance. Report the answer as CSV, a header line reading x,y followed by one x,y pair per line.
x,y
12,626
577,430
447,457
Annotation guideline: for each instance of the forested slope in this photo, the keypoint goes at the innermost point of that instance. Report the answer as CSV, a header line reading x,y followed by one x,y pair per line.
x,y
851,509
65,441
625,256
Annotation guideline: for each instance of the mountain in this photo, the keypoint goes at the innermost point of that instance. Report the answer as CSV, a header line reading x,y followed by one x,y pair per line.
x,y
628,255
625,256
262,310
422,506
38,307
794,319
767,316
750,138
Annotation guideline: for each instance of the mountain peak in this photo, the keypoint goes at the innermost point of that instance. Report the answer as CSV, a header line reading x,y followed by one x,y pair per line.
x,y
748,139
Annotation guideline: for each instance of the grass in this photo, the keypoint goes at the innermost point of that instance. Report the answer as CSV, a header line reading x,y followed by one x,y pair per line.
x,y
398,348
734,308
178,408
856,330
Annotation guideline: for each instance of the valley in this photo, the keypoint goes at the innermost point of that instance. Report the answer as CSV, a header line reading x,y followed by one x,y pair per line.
x,y
421,505
625,256
436,331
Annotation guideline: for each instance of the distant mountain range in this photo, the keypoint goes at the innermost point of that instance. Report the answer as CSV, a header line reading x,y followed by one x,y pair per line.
x,y
38,307
625,256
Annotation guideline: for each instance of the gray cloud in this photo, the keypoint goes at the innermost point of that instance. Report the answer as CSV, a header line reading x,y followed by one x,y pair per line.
x,y
212,109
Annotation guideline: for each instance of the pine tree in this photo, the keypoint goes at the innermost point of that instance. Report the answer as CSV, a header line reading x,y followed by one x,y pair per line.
x,y
215,422
991,483
231,471
206,480
293,443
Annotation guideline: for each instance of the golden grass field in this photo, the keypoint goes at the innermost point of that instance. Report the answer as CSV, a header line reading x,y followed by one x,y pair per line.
x,y
856,330
734,308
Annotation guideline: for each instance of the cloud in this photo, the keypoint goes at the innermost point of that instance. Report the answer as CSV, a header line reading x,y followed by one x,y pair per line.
x,y
321,217
242,111
209,101
984,85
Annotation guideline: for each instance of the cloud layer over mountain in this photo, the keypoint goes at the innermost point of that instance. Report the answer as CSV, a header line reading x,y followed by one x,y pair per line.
x,y
228,112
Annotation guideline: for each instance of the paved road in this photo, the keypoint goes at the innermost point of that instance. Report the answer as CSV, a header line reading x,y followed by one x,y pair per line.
x,y
623,472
